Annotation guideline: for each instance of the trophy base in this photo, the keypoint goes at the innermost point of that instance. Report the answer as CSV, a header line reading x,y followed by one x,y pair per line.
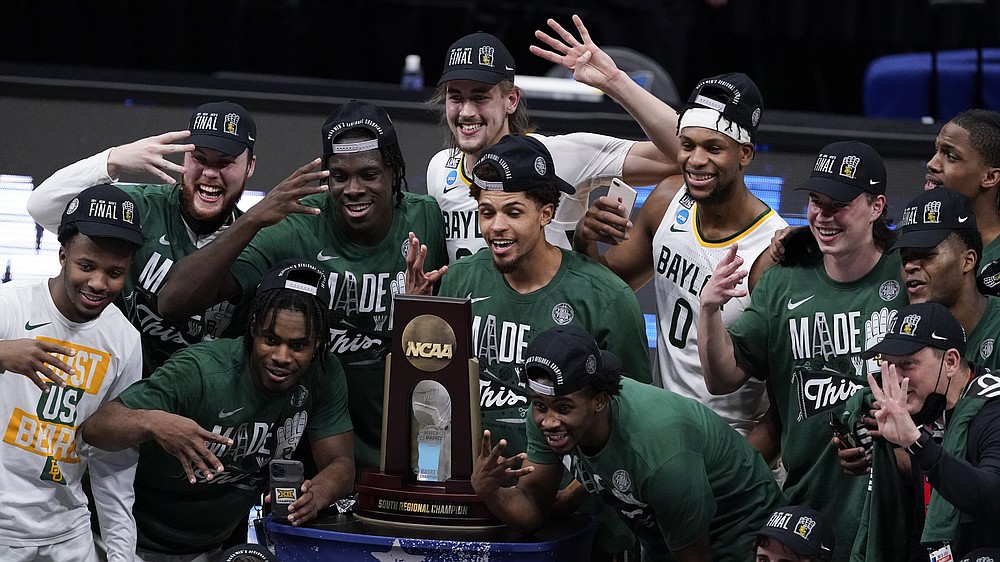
x,y
402,527
349,537
387,498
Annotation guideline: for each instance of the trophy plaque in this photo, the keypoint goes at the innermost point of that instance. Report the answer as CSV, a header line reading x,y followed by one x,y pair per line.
x,y
430,420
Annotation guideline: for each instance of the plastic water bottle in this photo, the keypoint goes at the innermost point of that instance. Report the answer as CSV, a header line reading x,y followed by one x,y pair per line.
x,y
413,74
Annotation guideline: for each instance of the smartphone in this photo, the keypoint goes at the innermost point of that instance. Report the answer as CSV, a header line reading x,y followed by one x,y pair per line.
x,y
844,433
800,246
620,189
286,484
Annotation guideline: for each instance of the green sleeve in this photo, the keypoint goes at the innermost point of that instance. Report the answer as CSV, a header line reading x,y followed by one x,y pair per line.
x,y
437,247
623,332
445,289
750,333
173,387
330,415
681,496
257,258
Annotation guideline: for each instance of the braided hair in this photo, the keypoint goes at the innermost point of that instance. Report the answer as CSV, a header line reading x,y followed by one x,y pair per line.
x,y
264,311
392,157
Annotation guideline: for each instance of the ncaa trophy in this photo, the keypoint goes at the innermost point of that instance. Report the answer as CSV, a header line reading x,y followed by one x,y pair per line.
x,y
430,420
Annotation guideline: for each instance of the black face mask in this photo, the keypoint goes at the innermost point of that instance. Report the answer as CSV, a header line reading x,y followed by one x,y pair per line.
x,y
931,410
934,404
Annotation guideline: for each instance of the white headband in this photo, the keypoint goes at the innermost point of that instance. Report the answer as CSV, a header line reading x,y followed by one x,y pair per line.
x,y
712,119
346,148
541,388
488,185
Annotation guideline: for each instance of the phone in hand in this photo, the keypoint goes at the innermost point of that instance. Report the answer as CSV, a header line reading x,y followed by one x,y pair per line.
x,y
800,246
621,190
286,484
844,433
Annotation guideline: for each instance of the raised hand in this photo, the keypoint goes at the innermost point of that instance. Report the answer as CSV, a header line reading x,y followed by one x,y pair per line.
x,y
492,471
777,248
894,422
306,506
605,221
590,65
188,441
726,282
148,156
284,198
35,359
418,281
854,461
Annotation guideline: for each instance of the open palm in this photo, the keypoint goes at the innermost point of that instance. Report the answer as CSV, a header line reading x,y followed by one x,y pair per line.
x,y
893,419
590,65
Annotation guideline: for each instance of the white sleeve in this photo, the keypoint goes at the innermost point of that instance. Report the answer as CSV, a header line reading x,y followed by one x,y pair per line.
x,y
112,474
586,161
435,173
47,201
111,477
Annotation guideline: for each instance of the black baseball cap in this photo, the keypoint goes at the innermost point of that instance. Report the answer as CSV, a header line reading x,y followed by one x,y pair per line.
x,y
297,275
988,279
104,211
986,554
568,357
480,57
522,163
918,326
224,126
733,95
802,529
846,169
358,114
931,216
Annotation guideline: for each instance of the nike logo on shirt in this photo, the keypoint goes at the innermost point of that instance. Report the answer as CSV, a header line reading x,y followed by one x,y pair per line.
x,y
476,299
453,187
29,326
321,257
164,241
796,304
225,414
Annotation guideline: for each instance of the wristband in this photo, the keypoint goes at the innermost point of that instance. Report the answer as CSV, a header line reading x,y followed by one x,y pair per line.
x,y
921,442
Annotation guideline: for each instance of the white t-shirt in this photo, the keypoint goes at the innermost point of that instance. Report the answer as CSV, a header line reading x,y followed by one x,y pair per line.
x,y
682,262
584,160
41,459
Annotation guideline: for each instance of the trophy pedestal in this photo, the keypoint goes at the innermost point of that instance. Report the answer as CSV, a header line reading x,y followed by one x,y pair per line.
x,y
430,421
387,497
347,537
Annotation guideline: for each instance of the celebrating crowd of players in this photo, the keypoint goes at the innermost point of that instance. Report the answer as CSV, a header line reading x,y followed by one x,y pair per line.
x,y
233,335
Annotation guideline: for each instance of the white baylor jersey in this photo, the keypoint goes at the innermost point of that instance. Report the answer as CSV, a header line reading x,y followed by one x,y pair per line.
x,y
585,160
683,262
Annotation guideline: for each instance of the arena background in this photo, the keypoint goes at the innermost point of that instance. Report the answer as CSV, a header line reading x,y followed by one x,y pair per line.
x,y
92,78
52,121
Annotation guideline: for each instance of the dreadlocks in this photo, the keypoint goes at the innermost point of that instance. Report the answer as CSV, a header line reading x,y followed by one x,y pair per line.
x,y
392,156
264,311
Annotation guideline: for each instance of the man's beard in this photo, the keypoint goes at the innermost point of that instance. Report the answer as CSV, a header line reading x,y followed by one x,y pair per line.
x,y
188,209
509,266
717,195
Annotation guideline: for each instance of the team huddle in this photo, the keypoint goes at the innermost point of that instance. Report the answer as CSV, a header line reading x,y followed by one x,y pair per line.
x,y
817,393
